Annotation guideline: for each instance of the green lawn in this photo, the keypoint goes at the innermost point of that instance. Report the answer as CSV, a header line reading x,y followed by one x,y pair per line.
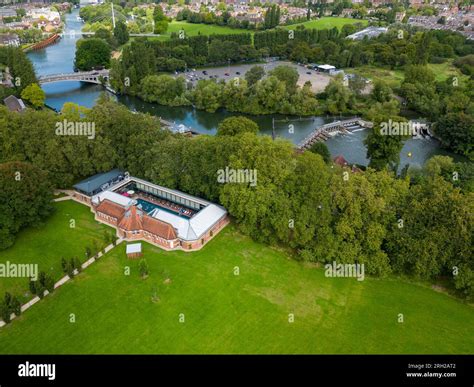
x,y
394,78
328,23
193,29
47,244
447,70
225,313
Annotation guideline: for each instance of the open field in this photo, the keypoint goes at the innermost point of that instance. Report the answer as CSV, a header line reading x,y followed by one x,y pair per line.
x,y
447,70
394,78
245,313
327,23
47,244
192,29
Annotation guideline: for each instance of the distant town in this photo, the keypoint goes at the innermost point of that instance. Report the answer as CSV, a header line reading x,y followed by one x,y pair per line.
x,y
27,23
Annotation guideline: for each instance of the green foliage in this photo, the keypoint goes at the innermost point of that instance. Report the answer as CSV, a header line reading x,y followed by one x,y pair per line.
x,y
254,74
164,89
121,33
321,149
21,68
25,199
339,99
143,268
10,304
44,282
91,53
456,131
34,95
105,34
436,233
381,92
272,16
207,95
419,90
161,23
288,75
233,126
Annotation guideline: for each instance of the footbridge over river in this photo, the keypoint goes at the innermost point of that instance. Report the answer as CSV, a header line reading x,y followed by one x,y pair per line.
x,y
323,132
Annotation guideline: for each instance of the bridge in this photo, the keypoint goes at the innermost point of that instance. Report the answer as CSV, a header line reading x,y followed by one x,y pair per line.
x,y
82,76
323,132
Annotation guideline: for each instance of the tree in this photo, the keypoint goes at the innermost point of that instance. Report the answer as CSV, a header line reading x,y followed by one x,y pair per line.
x,y
419,90
254,74
383,147
436,233
236,125
363,207
207,95
21,68
161,23
381,92
105,34
25,199
5,312
338,97
92,53
143,268
34,95
121,32
288,75
321,149
456,132
15,306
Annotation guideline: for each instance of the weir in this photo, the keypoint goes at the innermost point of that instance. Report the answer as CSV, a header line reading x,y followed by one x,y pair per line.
x,y
323,132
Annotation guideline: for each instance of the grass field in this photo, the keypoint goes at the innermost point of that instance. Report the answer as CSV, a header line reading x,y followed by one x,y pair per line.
x,y
327,23
447,70
245,313
46,245
192,29
394,78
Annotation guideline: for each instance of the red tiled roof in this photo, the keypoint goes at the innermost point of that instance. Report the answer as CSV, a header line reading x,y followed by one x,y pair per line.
x,y
136,220
339,160
132,220
111,209
158,227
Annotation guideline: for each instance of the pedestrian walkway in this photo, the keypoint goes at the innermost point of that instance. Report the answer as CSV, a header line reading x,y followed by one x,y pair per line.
x,y
66,278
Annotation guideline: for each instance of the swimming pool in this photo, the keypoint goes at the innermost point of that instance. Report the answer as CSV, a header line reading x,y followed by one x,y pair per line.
x,y
148,207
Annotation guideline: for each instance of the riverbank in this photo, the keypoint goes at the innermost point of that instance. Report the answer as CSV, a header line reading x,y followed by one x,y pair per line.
x,y
59,58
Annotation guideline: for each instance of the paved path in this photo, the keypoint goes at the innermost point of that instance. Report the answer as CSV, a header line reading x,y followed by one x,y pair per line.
x,y
65,279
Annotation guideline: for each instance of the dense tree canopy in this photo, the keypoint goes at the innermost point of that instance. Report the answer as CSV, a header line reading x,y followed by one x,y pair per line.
x,y
34,95
92,53
233,126
121,33
25,199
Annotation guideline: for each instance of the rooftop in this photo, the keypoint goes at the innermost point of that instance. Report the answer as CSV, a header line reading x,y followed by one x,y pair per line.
x,y
98,182
14,104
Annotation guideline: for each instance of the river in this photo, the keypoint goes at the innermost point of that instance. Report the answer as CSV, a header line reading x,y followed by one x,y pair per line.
x,y
59,58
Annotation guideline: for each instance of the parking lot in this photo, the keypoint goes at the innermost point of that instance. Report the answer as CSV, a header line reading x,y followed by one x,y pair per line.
x,y
318,80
